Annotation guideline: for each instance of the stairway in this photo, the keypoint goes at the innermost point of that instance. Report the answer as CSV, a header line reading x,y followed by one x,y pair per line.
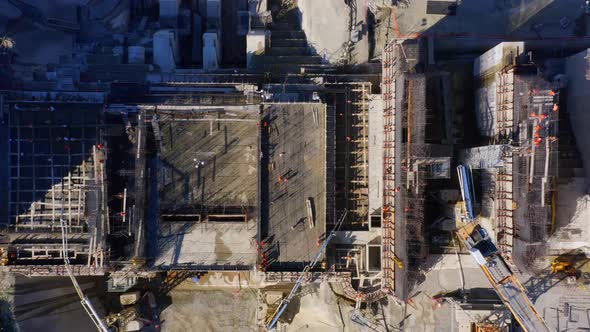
x,y
288,50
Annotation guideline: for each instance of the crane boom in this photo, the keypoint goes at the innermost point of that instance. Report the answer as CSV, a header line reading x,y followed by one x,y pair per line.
x,y
504,281
467,191
285,302
490,260
86,304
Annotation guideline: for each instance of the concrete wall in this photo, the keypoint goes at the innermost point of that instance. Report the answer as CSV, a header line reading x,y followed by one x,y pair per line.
x,y
165,50
485,68
255,45
211,51
485,109
577,101
325,24
494,59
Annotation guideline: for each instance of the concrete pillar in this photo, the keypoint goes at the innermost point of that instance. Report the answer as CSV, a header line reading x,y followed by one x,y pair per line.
x,y
255,45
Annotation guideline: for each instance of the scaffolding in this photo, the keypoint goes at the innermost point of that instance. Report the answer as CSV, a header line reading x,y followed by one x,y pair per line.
x,y
55,164
389,167
417,154
359,139
505,104
504,187
351,129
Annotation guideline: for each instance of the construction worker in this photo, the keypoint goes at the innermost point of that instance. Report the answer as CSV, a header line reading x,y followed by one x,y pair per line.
x,y
321,239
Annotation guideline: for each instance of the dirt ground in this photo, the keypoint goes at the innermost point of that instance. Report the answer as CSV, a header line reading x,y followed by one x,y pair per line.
x,y
319,310
318,307
215,310
7,322
328,34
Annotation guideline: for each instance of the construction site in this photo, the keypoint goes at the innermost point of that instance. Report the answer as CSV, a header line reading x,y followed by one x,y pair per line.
x,y
250,165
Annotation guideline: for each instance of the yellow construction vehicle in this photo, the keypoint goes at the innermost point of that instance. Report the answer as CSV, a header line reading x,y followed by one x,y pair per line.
x,y
481,327
137,261
398,262
3,257
7,255
558,266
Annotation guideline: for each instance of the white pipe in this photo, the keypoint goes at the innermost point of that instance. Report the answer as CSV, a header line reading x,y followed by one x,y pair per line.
x,y
532,168
124,204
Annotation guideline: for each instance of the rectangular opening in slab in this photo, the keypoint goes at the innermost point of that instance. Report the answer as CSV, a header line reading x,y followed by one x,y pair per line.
x,y
227,218
181,218
441,8
375,221
374,258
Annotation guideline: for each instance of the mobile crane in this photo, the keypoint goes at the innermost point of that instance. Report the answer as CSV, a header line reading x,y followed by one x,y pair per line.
x,y
489,258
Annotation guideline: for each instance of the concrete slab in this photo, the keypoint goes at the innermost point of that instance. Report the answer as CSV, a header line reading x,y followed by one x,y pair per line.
x,y
297,172
375,155
205,244
208,172
209,161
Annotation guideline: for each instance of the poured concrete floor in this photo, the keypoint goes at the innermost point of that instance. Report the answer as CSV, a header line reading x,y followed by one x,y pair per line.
x,y
297,145
195,244
209,161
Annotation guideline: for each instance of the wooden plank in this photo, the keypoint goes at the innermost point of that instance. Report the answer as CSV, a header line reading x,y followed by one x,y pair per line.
x,y
84,170
94,160
52,196
69,202
310,216
79,207
32,213
37,215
